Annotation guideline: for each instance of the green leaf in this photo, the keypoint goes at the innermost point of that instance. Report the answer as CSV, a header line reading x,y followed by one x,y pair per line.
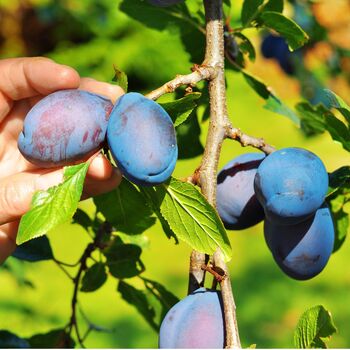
x,y
273,104
339,195
257,85
17,270
138,299
274,5
165,298
141,240
83,219
341,226
246,46
339,131
9,340
316,119
177,18
188,138
126,209
35,250
123,260
338,178
338,103
290,30
94,278
315,326
190,216
179,110
55,206
250,11
56,338
312,118
120,78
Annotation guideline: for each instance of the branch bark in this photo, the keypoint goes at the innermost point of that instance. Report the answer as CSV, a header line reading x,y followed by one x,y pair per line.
x,y
218,125
199,73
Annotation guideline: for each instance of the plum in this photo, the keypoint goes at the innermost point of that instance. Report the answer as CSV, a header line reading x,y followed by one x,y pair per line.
x,y
291,185
141,137
195,322
164,3
276,47
302,250
236,202
63,127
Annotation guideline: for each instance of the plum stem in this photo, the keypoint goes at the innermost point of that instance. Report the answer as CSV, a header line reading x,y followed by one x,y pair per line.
x,y
218,276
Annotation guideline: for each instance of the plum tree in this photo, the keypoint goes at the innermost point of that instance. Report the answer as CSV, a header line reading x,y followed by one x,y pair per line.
x,y
302,250
236,202
141,137
164,3
64,126
194,322
291,185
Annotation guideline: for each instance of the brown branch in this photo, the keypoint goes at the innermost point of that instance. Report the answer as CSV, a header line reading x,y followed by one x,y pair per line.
x,y
218,124
200,73
232,336
246,140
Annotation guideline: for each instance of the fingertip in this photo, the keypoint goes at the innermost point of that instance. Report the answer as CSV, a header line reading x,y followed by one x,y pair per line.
x,y
8,233
57,76
68,77
100,168
111,91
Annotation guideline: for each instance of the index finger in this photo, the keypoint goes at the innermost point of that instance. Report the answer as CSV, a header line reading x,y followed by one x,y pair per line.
x,y
21,78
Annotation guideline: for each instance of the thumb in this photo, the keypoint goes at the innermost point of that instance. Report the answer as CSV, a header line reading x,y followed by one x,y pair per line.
x,y
7,239
16,191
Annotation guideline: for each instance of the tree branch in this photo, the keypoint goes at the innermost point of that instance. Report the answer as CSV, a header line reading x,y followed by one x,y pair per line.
x,y
199,73
218,125
246,140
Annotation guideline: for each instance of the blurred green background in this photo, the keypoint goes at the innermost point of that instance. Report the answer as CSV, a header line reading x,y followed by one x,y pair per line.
x,y
91,36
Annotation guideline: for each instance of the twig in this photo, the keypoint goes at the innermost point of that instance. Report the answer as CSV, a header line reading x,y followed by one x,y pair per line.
x,y
200,73
218,276
232,335
246,140
64,270
91,247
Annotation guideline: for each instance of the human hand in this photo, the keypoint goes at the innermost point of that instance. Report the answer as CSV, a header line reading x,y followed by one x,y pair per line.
x,y
23,82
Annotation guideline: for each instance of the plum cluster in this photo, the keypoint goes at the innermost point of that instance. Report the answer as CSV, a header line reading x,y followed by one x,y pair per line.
x,y
195,322
287,189
71,125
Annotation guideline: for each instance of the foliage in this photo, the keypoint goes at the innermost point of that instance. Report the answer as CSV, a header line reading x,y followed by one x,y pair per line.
x,y
314,328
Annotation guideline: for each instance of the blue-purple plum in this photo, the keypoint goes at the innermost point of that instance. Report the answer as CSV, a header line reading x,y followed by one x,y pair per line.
x,y
275,47
142,140
164,3
302,250
291,184
236,202
64,127
195,322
